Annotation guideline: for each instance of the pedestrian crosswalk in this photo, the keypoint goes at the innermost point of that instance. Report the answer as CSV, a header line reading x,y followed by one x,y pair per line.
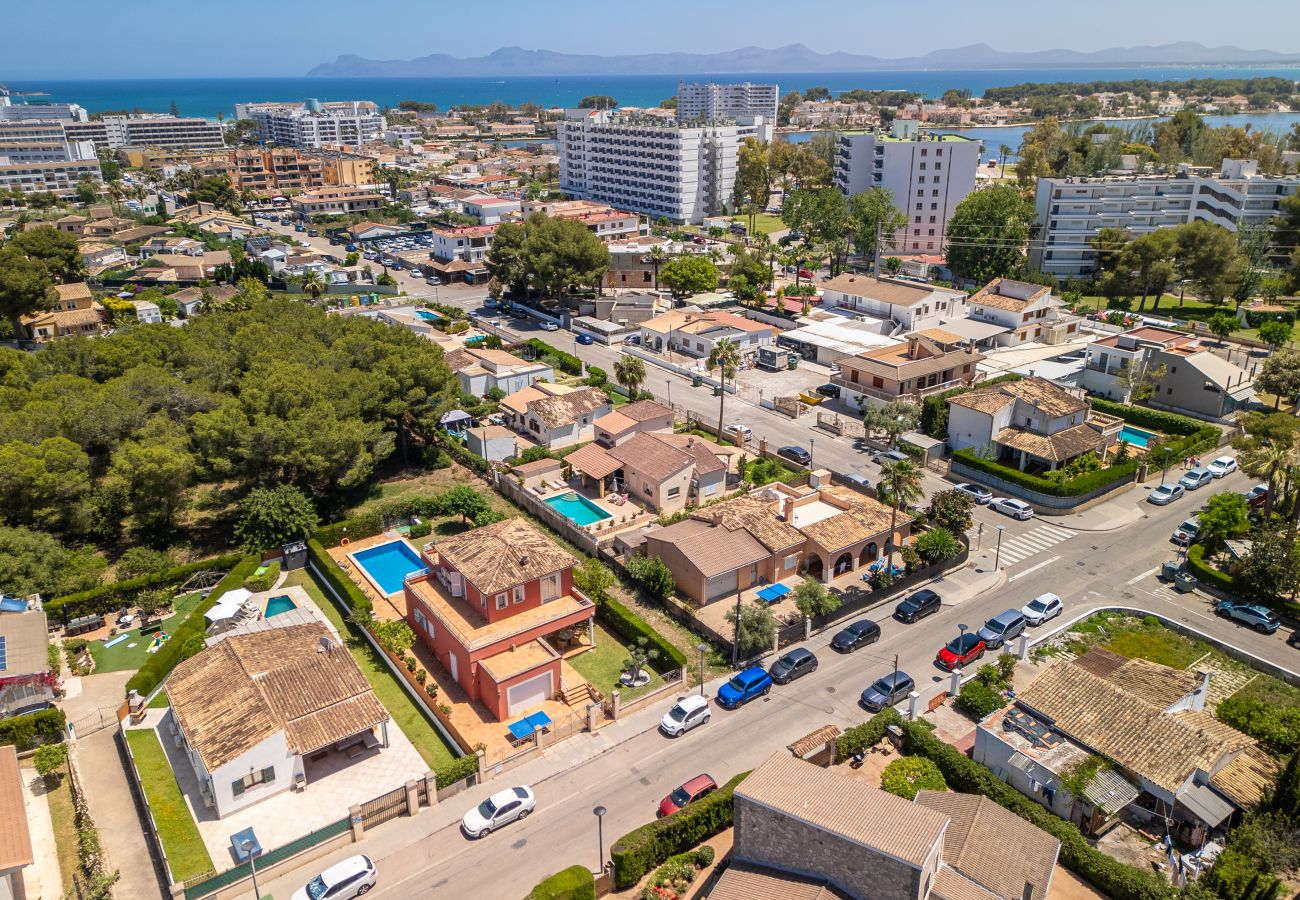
x,y
1031,543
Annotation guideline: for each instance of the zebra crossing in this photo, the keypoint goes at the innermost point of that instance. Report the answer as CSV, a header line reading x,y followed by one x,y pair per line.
x,y
1031,543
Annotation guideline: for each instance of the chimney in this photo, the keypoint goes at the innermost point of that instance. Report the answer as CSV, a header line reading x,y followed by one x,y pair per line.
x,y
787,509
523,560
1028,892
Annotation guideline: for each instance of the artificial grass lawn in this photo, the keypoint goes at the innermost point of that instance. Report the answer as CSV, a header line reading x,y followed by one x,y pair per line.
x,y
180,836
410,718
121,658
603,665
63,818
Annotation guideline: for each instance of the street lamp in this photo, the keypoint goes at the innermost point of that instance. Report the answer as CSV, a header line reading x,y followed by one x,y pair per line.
x,y
812,447
670,391
703,648
997,559
961,630
248,845
599,812
1165,473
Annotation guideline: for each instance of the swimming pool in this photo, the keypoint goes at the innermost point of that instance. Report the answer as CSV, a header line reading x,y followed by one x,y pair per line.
x,y
427,315
281,604
577,508
389,564
1138,437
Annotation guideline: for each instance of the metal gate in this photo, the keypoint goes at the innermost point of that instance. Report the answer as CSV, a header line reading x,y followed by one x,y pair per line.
x,y
384,807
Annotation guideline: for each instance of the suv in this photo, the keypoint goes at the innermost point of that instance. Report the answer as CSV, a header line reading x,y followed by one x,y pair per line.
x,y
796,454
1003,627
795,664
887,690
829,390
745,686
353,877
961,651
923,603
1262,619
890,456
690,711
697,788
980,495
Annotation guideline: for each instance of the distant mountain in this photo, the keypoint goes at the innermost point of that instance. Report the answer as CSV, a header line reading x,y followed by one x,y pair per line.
x,y
793,58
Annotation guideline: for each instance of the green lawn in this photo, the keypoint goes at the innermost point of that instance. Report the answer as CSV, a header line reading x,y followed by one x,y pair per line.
x,y
1191,309
125,658
1141,638
1272,691
430,483
63,818
180,836
428,740
764,223
603,665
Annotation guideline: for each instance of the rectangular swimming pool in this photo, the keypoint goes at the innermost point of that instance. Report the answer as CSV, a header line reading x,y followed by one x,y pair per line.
x,y
1138,437
577,508
389,564
281,604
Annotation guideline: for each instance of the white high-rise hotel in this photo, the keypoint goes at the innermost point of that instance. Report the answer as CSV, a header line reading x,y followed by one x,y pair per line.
x,y
727,101
316,124
680,171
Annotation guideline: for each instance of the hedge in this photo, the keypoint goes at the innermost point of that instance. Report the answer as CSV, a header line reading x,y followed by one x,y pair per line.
x,y
640,850
371,523
1144,417
1074,487
1207,574
565,362
866,735
573,883
460,768
979,699
1111,877
33,729
181,644
108,597
629,626
343,586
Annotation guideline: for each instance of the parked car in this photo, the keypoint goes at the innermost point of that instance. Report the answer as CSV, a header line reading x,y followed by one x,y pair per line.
x,y
1165,493
585,339
1186,532
1042,608
918,605
1016,509
548,326
1257,496
829,390
699,240
1196,479
690,711
792,665
887,690
696,789
980,495
433,279
805,273
961,651
633,339
353,877
745,686
1294,639
1224,465
299,227
888,456
856,634
738,433
1260,618
1005,626
501,808
795,454
855,480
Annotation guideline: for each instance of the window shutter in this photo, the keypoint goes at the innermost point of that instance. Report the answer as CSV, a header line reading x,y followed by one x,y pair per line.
x,y
237,787
268,774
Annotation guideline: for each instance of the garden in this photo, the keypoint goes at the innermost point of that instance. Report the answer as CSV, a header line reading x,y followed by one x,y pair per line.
x,y
130,654
186,854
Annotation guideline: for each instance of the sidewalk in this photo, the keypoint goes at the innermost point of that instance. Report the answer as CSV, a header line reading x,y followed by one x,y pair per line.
x,y
1116,513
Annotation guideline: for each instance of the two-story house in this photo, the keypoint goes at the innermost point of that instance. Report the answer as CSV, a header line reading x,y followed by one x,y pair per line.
x,y
695,333
556,415
1028,312
490,608
907,305
75,312
928,362
1033,423
480,371
632,419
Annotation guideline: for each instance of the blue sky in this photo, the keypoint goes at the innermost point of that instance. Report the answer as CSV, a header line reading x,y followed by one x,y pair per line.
x,y
131,38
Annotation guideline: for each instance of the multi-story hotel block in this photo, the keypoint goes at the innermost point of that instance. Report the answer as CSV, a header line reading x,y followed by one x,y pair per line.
x,y
726,101
316,124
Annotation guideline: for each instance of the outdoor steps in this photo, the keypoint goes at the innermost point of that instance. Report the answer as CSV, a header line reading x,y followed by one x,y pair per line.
x,y
578,696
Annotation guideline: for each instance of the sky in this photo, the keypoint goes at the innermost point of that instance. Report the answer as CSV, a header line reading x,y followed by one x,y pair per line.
x,y
135,39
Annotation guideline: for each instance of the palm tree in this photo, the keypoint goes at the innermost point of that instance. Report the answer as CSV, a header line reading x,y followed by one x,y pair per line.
x,y
657,257
726,359
629,372
313,284
900,483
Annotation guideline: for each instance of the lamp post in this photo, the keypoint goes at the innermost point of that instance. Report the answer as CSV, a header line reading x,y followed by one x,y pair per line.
x,y
599,812
247,846
961,629
1165,473
703,648
997,559
812,447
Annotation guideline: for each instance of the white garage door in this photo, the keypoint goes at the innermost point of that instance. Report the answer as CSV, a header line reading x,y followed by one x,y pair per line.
x,y
529,693
723,584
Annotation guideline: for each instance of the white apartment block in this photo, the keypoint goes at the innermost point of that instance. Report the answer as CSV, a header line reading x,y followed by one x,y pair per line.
x,y
166,132
50,176
19,112
1071,211
927,174
678,171
25,132
44,151
316,124
726,101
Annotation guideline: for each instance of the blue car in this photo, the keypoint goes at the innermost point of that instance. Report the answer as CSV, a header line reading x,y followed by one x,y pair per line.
x,y
751,683
585,339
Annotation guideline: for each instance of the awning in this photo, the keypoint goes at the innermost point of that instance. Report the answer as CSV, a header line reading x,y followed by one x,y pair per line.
x,y
1110,791
594,461
229,604
1206,805
456,415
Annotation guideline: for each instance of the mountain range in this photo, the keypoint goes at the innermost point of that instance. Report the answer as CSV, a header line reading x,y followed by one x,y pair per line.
x,y
792,58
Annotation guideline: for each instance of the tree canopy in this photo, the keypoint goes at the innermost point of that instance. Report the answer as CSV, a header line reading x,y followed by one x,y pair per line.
x,y
988,233
547,255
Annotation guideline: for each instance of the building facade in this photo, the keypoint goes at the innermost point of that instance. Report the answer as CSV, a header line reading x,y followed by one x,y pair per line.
x,y
316,124
726,101
55,177
333,201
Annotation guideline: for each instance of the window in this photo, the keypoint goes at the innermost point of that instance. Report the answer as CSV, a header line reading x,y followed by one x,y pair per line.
x,y
922,167
877,381
934,193
791,561
251,780
502,600
674,492
550,587
422,622
938,166
924,151
519,593
920,205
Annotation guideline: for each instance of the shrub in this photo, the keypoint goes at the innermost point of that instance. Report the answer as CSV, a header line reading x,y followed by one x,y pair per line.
x,y
978,699
420,530
1206,573
596,376
421,676
33,729
631,628
910,774
1155,419
1278,727
637,851
113,596
264,582
1074,487
565,362
866,735
674,876
938,544
704,856
573,883
653,575
458,770
49,758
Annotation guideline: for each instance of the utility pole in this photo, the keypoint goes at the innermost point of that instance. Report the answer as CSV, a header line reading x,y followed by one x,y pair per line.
x,y
876,262
735,643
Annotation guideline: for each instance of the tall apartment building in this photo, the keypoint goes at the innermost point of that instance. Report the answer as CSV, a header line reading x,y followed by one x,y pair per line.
x,y
927,174
273,170
316,124
341,168
674,170
34,132
726,101
45,151
56,176
116,132
1071,211
19,112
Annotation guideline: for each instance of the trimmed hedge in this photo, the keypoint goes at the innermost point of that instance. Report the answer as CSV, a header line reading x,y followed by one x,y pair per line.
x,y
1207,574
1144,417
866,735
461,768
370,523
565,362
640,850
573,883
182,643
1111,877
108,597
33,729
344,586
629,626
1074,487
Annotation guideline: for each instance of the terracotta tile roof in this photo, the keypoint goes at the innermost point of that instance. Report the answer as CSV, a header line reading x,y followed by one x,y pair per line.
x,y
563,409
814,741
895,293
863,519
987,400
594,460
846,807
758,517
236,694
1160,685
1246,779
991,294
949,884
1057,447
745,881
1042,394
519,400
538,467
15,839
643,410
993,846
712,549
615,422
941,335
458,360
503,554
705,452
76,291
654,458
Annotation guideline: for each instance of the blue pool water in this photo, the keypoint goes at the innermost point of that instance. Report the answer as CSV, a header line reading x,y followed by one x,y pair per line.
x,y
1136,436
427,315
389,564
277,605
577,508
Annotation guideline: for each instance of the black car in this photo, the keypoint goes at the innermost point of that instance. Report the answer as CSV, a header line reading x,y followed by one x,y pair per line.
x,y
829,390
916,606
1294,639
858,634
795,664
797,454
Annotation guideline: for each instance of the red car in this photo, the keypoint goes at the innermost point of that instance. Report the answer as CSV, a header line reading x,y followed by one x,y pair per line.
x,y
961,651
698,787
699,240
805,273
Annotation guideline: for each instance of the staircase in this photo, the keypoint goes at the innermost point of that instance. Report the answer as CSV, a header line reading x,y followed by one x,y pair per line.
x,y
577,696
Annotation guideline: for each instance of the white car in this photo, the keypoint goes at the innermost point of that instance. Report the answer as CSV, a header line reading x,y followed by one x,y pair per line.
x,y
1186,532
353,877
1224,465
1016,509
548,326
686,714
1042,608
739,433
500,809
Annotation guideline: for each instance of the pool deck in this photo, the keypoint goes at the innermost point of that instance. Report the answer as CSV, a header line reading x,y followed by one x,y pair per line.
x,y
622,516
387,607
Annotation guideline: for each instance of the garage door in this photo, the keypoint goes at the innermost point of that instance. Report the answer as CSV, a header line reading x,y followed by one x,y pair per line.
x,y
723,584
529,693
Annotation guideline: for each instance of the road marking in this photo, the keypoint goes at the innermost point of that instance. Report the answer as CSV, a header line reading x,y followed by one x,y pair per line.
x,y
1136,578
1033,569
